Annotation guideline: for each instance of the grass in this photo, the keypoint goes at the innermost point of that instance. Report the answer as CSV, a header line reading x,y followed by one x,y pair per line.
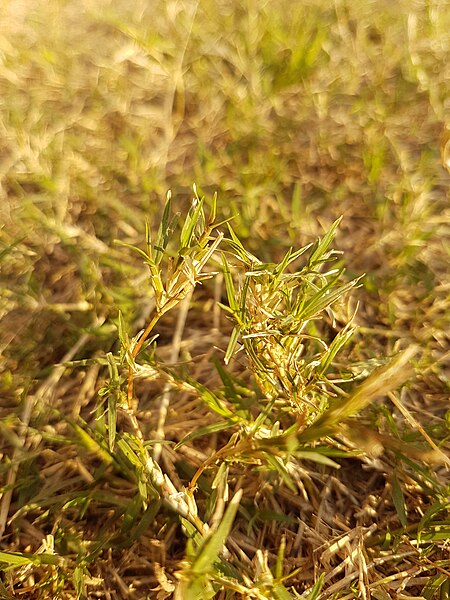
x,y
234,396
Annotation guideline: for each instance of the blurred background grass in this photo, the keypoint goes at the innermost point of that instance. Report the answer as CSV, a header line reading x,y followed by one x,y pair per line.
x,y
295,113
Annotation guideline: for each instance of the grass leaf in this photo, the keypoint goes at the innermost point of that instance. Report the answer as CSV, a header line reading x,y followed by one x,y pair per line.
x,y
212,545
399,500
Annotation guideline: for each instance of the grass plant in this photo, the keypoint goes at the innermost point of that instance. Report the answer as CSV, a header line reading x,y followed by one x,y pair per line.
x,y
236,390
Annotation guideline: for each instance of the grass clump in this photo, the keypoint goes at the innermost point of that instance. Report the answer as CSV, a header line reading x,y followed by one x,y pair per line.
x,y
290,401
293,399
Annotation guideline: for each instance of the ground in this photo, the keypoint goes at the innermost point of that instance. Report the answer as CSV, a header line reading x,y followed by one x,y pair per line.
x,y
310,390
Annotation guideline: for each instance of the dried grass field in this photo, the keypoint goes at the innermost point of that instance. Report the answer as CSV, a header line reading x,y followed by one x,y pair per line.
x,y
224,299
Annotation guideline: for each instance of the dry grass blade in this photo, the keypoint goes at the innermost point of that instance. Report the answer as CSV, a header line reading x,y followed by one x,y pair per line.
x,y
380,383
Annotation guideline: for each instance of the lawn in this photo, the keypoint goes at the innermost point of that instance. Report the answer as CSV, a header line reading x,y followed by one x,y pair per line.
x,y
224,299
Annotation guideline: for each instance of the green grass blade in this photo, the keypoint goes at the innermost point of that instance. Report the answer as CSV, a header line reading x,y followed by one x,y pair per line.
x,y
234,338
19,559
206,430
113,399
212,546
432,588
190,224
229,285
319,253
163,232
213,401
399,500
314,594
280,592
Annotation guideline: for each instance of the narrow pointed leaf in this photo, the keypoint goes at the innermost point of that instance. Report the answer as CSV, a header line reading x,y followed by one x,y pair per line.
x,y
206,430
210,549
